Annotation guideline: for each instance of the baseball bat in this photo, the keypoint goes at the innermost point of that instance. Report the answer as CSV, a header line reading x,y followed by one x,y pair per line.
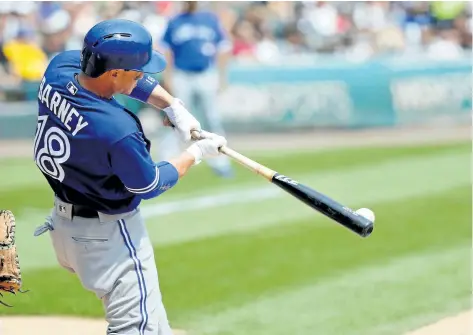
x,y
318,201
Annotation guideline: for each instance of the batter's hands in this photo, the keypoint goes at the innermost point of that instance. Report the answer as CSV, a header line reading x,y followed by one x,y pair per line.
x,y
181,119
207,147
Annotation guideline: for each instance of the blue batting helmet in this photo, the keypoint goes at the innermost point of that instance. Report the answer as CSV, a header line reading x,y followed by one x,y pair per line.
x,y
119,44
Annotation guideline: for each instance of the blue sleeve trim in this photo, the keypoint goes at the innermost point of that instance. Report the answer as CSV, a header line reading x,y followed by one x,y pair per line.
x,y
168,177
132,163
148,188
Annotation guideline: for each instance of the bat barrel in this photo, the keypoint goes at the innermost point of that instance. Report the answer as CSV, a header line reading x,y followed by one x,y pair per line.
x,y
325,205
355,222
339,213
367,230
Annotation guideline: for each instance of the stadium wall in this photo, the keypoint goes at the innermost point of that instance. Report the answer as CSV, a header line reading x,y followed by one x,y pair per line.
x,y
325,93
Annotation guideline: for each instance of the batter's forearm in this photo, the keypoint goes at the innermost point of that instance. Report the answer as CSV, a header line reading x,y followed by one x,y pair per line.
x,y
183,163
160,98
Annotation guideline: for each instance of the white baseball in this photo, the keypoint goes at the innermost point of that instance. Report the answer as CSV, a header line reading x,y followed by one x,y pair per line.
x,y
367,213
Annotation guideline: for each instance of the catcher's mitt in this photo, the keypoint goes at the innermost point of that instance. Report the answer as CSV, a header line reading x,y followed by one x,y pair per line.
x,y
10,274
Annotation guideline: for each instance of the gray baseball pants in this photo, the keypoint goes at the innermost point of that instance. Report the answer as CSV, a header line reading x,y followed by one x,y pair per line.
x,y
113,257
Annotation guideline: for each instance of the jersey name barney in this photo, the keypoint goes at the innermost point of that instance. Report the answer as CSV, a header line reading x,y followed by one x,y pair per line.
x,y
57,104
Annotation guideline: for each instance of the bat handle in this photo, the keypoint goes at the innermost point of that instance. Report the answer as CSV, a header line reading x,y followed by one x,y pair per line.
x,y
243,160
249,163
196,135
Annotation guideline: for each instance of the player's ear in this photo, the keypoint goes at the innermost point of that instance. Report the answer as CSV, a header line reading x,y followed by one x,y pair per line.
x,y
114,73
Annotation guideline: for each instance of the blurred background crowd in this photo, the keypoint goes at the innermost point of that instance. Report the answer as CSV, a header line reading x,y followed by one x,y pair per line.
x,y
266,32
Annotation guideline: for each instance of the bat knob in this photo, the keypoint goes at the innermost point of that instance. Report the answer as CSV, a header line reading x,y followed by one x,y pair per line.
x,y
196,135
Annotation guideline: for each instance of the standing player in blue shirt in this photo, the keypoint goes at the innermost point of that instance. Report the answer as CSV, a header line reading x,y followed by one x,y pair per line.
x,y
197,51
95,157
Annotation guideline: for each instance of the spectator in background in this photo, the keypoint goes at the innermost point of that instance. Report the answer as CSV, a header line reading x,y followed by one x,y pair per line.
x,y
110,9
267,49
445,46
25,56
8,80
244,40
257,14
156,20
26,60
389,41
464,26
9,22
323,17
371,16
260,31
84,15
358,48
444,13
414,20
445,42
320,24
294,41
197,50
57,29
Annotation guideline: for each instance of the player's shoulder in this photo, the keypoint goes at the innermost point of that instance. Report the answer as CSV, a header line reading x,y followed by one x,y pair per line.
x,y
111,122
63,66
184,17
69,59
207,16
176,19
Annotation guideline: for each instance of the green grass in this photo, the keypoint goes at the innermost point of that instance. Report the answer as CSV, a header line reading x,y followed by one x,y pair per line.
x,y
288,277
25,187
302,253
275,259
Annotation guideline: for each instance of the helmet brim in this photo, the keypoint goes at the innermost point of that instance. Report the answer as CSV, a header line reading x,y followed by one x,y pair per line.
x,y
156,64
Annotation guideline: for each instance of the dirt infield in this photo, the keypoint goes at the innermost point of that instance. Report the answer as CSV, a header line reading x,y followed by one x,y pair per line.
x,y
460,324
55,325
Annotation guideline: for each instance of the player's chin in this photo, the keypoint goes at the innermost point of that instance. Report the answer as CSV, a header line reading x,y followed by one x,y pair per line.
x,y
128,91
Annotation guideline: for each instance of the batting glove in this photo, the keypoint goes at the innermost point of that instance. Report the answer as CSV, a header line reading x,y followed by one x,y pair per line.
x,y
207,148
182,120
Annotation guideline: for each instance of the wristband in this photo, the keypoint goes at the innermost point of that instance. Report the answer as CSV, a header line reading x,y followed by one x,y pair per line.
x,y
196,152
172,111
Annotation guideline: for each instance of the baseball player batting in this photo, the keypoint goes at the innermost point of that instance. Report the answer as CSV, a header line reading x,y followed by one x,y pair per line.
x,y
95,157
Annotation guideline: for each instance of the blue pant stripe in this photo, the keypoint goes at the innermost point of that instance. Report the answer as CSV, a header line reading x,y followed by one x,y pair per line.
x,y
139,274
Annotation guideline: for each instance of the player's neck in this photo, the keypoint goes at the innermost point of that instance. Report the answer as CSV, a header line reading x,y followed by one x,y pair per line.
x,y
96,86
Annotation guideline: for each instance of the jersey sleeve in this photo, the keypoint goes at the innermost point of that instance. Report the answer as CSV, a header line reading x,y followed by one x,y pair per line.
x,y
132,163
143,89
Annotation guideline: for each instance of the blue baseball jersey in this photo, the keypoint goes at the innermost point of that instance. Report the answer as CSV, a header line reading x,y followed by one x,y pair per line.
x,y
194,39
92,150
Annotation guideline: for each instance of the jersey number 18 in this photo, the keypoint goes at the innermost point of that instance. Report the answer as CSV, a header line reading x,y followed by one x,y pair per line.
x,y
51,150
